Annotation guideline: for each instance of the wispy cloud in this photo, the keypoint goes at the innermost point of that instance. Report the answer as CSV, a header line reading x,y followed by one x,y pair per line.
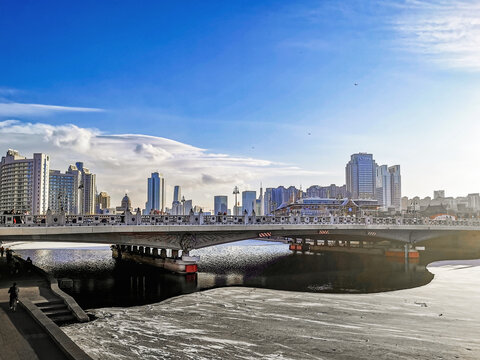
x,y
18,109
443,31
8,91
124,161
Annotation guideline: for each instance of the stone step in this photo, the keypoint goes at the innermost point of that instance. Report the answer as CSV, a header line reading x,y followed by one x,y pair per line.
x,y
41,304
58,312
52,307
60,319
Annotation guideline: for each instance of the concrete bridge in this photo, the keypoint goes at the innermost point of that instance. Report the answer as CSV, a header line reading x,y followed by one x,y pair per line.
x,y
165,241
136,233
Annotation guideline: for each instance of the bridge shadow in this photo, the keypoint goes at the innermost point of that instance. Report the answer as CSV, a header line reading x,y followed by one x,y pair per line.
x,y
95,280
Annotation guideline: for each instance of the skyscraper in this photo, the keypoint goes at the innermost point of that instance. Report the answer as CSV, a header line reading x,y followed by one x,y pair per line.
x,y
248,201
187,207
389,186
87,190
24,183
220,204
177,193
361,176
383,190
177,207
396,186
155,193
268,201
63,191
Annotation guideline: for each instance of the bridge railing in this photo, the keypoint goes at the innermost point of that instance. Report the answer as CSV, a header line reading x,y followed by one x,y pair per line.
x,y
218,220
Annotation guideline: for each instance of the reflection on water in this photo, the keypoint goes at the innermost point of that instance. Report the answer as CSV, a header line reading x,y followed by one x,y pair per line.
x,y
96,280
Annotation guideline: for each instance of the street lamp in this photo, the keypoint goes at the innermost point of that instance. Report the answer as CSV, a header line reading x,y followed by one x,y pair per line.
x,y
183,205
236,192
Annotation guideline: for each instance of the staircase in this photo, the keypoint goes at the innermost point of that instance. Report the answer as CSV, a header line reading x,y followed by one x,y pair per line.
x,y
57,311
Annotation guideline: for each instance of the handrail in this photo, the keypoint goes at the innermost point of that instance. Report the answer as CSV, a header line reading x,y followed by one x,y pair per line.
x,y
50,219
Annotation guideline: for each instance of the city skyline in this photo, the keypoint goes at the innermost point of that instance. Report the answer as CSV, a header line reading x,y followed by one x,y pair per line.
x,y
236,102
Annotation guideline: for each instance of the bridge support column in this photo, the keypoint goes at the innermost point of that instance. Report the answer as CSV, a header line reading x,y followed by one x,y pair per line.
x,y
147,251
134,249
163,253
141,250
174,254
155,252
337,243
348,243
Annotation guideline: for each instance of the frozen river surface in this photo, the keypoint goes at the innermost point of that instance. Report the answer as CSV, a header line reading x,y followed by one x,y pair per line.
x,y
437,321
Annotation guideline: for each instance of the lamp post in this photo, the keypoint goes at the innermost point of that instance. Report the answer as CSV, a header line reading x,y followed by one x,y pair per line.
x,y
183,205
236,192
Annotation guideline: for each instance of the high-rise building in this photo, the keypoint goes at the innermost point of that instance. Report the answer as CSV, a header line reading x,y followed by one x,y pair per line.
x,y
220,204
383,190
24,183
177,193
63,191
439,194
103,201
396,186
155,193
248,201
187,207
260,204
268,202
361,176
177,207
388,189
473,201
87,190
327,192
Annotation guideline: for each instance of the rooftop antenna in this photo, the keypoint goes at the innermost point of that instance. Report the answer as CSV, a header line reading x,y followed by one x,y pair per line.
x,y
236,192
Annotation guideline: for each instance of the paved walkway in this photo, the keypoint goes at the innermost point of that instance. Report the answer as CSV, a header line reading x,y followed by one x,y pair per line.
x,y
20,336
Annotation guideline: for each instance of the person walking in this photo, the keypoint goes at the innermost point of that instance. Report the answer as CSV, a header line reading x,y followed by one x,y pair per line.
x,y
2,250
13,291
29,264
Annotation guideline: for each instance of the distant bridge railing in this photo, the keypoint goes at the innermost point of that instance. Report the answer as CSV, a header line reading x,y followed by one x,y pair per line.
x,y
200,219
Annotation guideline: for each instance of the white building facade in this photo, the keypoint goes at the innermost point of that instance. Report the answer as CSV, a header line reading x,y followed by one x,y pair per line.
x,y
24,183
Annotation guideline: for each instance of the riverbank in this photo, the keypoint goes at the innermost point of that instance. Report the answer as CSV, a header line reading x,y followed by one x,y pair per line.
x,y
436,321
28,333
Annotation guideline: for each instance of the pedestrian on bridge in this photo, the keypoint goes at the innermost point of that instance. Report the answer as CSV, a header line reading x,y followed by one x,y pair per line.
x,y
13,291
2,250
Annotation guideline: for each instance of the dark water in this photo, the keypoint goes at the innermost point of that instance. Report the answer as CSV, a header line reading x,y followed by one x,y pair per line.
x,y
96,280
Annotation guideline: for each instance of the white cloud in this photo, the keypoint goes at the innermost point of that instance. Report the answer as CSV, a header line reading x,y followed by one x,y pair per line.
x,y
18,109
125,161
443,31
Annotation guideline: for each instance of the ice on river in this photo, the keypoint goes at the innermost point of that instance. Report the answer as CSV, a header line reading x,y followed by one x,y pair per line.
x,y
438,320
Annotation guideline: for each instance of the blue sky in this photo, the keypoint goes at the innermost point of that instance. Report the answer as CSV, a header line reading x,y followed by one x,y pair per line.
x,y
267,85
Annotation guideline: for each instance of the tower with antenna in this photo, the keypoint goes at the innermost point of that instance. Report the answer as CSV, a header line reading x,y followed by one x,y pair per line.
x,y
236,192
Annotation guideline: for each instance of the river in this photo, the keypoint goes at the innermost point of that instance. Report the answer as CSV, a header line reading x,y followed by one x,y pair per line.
x,y
96,280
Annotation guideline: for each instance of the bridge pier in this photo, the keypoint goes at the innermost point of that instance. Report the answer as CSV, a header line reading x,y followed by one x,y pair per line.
x,y
150,256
